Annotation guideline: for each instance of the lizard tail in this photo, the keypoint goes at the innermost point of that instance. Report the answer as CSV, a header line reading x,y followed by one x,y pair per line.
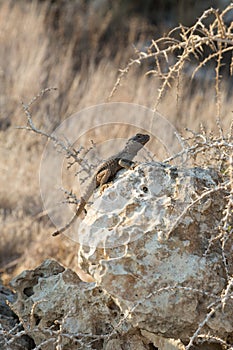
x,y
64,228
74,218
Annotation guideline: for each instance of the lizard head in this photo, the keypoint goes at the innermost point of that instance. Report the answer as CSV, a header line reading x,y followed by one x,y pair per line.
x,y
140,138
134,144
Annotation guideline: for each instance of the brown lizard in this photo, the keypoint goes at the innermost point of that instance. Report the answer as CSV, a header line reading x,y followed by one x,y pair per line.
x,y
107,171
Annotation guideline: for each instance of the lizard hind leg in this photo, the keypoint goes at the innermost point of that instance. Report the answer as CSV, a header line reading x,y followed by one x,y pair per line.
x,y
103,176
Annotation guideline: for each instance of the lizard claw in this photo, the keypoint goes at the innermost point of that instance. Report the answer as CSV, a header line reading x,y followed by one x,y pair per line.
x,y
103,187
134,165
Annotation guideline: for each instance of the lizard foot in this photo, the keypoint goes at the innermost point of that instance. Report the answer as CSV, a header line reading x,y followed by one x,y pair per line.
x,y
103,187
134,165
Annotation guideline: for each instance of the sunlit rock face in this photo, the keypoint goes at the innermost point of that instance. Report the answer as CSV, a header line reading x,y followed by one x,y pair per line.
x,y
149,247
52,298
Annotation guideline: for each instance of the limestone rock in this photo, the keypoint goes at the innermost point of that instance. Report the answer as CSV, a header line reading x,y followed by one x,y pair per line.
x,y
10,325
156,261
146,242
58,308
163,343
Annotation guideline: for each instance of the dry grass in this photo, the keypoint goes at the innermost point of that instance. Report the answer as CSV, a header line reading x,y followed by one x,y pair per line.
x,y
31,59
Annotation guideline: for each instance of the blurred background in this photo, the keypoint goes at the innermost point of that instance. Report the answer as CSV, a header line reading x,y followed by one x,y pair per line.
x,y
78,47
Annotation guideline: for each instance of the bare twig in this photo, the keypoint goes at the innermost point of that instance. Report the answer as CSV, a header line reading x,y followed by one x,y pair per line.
x,y
70,152
183,43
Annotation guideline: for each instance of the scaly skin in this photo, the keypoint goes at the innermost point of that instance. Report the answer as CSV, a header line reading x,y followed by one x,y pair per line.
x,y
107,171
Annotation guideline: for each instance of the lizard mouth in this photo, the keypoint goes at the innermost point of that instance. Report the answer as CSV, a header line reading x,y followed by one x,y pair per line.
x,y
146,140
142,138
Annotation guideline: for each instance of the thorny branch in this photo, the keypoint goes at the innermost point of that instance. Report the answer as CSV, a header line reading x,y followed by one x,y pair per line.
x,y
71,153
215,151
180,45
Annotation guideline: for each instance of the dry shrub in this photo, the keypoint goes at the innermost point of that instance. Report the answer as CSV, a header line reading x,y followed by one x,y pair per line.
x,y
214,151
209,39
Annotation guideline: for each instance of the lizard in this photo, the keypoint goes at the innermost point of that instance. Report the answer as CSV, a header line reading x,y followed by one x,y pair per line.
x,y
107,171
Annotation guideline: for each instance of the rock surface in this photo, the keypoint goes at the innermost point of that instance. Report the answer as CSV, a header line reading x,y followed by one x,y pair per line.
x,y
156,278
161,271
10,325
58,309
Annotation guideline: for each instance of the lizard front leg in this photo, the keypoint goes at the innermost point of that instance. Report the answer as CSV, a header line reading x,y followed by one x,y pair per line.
x,y
127,164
